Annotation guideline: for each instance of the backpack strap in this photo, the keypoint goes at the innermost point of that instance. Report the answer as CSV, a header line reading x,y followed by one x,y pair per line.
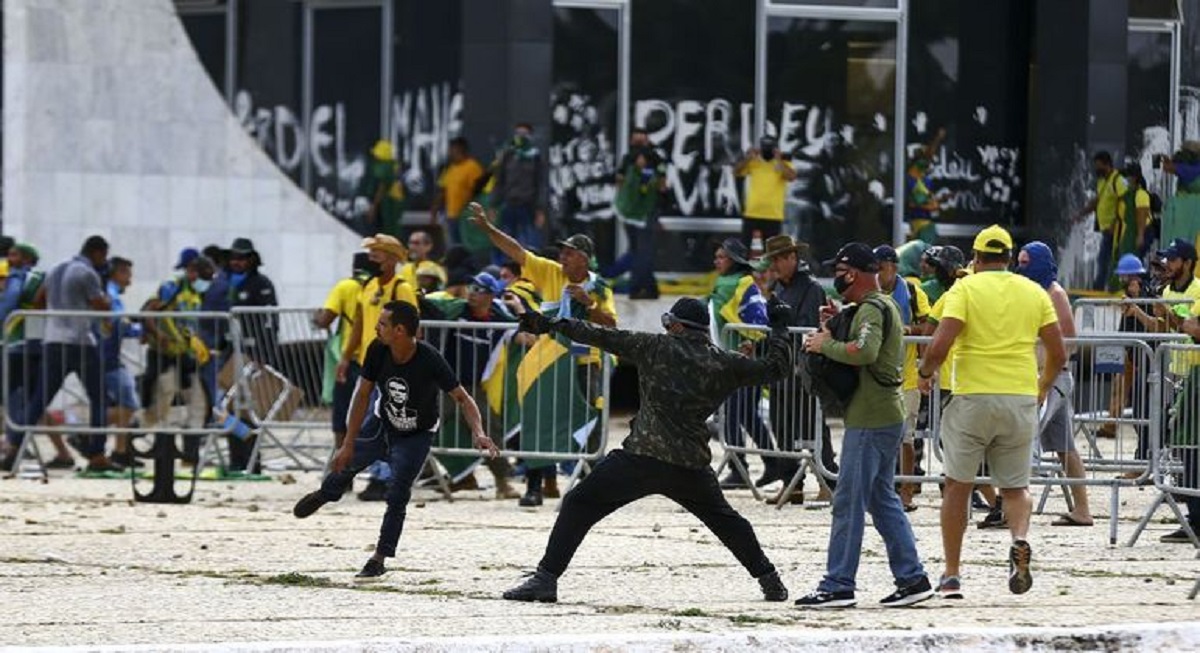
x,y
887,329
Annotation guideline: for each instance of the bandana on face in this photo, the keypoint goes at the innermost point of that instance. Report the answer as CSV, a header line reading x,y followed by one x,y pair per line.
x,y
1041,268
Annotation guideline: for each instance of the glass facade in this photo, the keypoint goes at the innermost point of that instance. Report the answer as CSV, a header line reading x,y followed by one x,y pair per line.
x,y
829,88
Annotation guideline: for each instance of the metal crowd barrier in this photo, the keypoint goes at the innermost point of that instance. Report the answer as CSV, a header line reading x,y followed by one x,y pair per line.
x,y
283,376
1104,314
541,400
131,374
1095,364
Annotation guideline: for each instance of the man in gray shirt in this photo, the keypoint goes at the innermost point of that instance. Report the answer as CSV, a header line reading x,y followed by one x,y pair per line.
x,y
520,188
70,345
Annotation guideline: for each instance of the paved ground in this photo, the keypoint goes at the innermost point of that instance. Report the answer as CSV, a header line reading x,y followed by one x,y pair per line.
x,y
83,565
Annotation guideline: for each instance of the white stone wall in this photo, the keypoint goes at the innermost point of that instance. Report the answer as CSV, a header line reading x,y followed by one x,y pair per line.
x,y
113,127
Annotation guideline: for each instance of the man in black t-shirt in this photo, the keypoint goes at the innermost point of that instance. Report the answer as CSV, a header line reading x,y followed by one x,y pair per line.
x,y
410,375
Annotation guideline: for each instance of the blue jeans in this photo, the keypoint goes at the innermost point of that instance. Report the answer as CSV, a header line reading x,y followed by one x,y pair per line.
x,y
517,221
24,383
741,409
405,455
61,360
1104,262
638,261
866,483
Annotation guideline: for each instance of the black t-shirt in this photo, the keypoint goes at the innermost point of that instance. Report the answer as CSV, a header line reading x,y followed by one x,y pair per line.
x,y
408,393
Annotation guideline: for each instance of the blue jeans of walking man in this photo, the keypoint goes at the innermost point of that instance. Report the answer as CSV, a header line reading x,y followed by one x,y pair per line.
x,y
404,456
866,484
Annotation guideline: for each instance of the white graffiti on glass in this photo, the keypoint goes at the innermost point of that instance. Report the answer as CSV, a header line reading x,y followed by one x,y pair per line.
x,y
422,123
581,160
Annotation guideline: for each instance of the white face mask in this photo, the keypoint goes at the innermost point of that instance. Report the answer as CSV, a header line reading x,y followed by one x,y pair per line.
x,y
201,285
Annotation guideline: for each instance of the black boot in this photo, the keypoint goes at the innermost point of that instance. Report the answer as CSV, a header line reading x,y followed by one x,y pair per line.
x,y
772,587
542,587
376,490
308,504
533,488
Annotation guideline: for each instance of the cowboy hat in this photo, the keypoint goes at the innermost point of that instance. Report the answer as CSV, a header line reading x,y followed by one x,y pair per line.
x,y
386,244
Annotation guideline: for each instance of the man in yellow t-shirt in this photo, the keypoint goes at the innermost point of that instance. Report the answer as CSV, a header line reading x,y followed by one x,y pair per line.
x,y
568,288
456,187
997,319
342,305
386,286
768,176
1110,193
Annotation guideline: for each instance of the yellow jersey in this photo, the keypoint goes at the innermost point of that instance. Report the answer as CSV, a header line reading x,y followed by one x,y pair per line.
x,y
371,301
766,189
551,282
1002,314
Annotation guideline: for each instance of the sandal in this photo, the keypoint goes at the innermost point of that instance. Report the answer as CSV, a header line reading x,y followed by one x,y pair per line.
x,y
1067,520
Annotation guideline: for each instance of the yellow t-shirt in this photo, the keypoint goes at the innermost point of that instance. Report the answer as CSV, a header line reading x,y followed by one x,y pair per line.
x,y
946,372
910,351
766,190
1109,192
550,280
1002,314
458,181
1182,362
408,272
342,301
372,299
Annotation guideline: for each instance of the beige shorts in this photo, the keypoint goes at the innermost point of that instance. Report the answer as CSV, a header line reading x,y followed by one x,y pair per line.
x,y
998,428
912,409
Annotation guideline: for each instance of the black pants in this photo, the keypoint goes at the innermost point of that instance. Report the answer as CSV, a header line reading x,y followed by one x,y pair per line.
x,y
622,478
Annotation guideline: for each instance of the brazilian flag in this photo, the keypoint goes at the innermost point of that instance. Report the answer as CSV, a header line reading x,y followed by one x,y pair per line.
x,y
555,414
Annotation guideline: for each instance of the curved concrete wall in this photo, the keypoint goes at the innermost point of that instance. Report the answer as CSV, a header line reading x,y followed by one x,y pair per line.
x,y
112,126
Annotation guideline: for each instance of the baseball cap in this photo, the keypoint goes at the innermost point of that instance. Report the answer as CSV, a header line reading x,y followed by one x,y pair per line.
x,y
1179,248
857,256
186,256
485,282
886,254
993,240
580,242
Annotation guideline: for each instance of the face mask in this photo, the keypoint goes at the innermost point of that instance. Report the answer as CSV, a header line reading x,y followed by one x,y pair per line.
x,y
768,153
841,284
201,285
520,140
372,268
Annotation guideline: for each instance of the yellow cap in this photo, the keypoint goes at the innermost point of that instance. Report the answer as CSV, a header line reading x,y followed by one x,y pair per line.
x,y
382,150
993,240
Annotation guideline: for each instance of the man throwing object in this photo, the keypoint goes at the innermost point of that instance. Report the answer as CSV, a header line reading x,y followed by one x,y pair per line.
x,y
683,378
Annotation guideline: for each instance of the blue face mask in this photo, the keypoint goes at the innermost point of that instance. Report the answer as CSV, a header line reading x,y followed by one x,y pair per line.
x,y
236,279
201,285
1041,268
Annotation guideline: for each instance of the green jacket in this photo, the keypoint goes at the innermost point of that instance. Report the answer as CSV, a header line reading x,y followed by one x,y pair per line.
x,y
879,357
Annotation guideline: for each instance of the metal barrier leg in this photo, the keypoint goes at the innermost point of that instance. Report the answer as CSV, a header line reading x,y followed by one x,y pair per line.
x,y
581,468
1114,506
1167,498
742,471
440,477
786,494
1041,506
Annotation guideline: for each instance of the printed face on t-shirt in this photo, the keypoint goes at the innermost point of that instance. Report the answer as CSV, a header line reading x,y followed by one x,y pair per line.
x,y
397,412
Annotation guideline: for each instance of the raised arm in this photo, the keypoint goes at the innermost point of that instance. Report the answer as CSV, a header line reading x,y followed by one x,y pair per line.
x,y
774,365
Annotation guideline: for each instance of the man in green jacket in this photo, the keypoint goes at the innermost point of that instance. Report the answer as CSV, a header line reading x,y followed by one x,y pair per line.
x,y
874,429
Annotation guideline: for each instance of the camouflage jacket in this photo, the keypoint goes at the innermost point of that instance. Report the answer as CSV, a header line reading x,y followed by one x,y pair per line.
x,y
682,379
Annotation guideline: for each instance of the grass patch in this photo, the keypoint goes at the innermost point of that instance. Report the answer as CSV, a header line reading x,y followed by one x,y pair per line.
x,y
691,612
750,619
293,579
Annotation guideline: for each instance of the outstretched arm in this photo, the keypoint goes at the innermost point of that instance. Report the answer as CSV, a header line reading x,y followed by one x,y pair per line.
x,y
629,345
775,365
470,411
503,242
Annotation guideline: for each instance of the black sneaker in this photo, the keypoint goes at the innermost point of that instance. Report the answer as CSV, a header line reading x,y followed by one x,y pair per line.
x,y
820,600
911,595
772,587
531,499
734,481
1177,537
1019,556
375,491
995,519
373,569
950,587
542,586
308,504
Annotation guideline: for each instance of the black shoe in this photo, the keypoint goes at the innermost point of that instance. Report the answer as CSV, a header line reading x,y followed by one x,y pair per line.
x,y
977,503
532,499
733,481
1178,537
8,462
1019,556
768,477
772,587
123,459
67,463
825,600
308,504
373,569
995,519
911,595
376,491
103,467
542,587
